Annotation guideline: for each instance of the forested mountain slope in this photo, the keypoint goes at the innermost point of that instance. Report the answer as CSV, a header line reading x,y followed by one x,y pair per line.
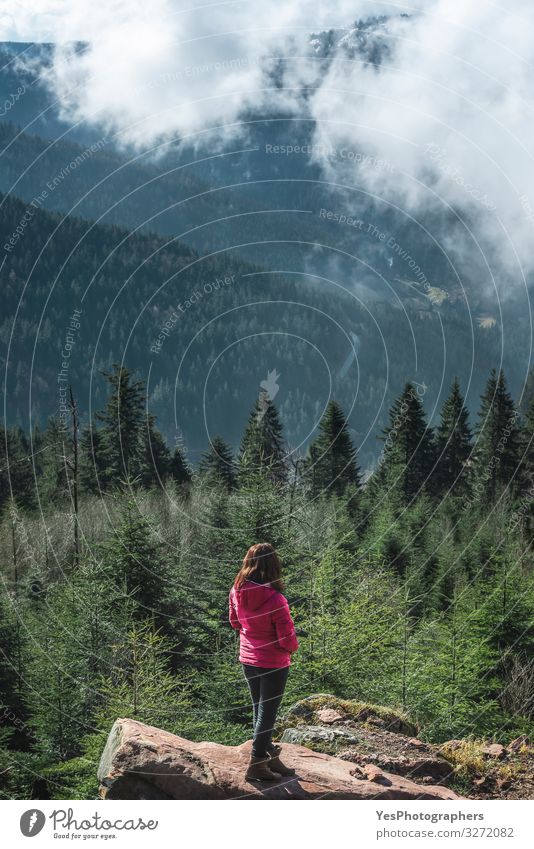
x,y
228,326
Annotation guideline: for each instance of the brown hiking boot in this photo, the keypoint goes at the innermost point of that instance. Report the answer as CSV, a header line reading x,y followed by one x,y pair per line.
x,y
259,770
276,764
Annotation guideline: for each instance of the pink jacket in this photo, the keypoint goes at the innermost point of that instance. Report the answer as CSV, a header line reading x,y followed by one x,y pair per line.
x,y
266,631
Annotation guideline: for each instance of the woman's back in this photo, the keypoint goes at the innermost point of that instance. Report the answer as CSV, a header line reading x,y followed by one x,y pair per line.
x,y
267,634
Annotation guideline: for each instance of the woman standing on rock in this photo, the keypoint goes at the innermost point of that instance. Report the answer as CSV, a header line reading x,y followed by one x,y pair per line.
x,y
267,639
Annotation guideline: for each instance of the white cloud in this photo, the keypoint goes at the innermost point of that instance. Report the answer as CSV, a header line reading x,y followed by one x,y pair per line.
x,y
37,20
459,77
161,68
452,112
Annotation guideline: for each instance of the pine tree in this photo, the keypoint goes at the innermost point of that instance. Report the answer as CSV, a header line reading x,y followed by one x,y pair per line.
x,y
448,525
508,600
497,446
343,524
408,452
71,627
453,446
9,660
212,561
122,422
385,537
527,398
137,563
526,453
257,513
155,457
331,462
357,649
95,603
18,545
55,681
450,682
139,684
217,465
179,467
423,544
319,651
16,469
53,484
262,446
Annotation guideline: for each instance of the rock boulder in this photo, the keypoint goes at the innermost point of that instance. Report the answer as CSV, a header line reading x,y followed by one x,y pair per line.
x,y
362,743
141,762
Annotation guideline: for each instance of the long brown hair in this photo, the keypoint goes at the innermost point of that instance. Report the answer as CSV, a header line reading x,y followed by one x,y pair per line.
x,y
261,565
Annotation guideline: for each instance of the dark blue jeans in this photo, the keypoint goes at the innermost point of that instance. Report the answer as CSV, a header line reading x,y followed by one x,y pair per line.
x,y
266,689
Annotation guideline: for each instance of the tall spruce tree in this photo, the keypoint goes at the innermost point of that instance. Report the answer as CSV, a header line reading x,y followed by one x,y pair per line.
x,y
217,465
262,446
122,422
331,463
408,453
498,443
453,446
179,468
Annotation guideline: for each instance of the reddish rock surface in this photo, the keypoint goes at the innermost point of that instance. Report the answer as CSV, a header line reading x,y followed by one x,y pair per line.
x,y
494,750
363,743
375,775
328,716
141,762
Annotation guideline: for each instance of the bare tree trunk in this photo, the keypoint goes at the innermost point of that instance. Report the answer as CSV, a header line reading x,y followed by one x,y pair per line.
x,y
74,466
